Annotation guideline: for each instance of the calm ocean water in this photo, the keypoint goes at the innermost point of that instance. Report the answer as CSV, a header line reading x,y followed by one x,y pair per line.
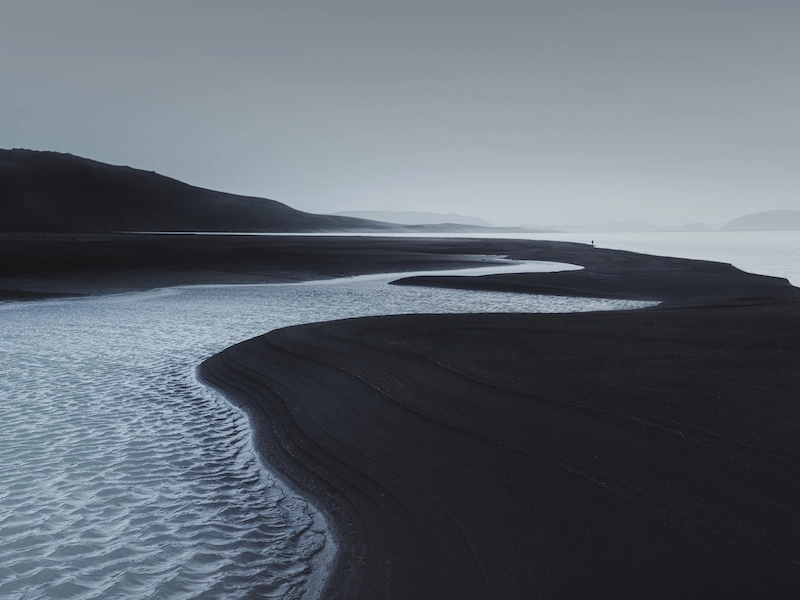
x,y
123,477
775,253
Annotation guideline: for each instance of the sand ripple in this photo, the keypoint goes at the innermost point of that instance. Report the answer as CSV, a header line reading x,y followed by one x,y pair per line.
x,y
123,477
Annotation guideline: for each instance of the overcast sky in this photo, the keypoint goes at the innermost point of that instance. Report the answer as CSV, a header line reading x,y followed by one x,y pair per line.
x,y
545,112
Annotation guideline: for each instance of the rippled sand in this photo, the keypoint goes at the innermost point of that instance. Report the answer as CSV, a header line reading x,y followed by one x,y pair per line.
x,y
124,477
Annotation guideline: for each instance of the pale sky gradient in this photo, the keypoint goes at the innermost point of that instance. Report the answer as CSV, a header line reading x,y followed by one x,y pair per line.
x,y
548,112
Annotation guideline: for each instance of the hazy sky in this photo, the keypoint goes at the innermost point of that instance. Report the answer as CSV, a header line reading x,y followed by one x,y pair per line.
x,y
548,112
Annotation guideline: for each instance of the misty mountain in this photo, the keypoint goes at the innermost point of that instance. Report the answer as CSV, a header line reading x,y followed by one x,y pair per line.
x,y
770,220
616,226
628,227
407,217
688,227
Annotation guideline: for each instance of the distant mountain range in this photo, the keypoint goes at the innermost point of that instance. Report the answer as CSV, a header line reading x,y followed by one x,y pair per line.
x,y
53,192
627,226
408,217
770,220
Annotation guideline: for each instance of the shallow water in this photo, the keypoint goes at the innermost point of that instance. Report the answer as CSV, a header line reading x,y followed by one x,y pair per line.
x,y
123,477
775,253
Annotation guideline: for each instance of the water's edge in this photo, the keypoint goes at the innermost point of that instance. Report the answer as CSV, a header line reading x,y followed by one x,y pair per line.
x,y
322,561
129,476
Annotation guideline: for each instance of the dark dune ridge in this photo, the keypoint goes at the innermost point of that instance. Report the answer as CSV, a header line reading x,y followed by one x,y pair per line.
x,y
643,454
49,191
54,192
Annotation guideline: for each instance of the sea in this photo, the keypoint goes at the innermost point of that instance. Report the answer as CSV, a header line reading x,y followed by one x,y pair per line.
x,y
775,253
121,476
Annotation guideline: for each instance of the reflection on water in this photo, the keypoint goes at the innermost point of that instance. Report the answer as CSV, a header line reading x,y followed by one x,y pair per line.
x,y
123,477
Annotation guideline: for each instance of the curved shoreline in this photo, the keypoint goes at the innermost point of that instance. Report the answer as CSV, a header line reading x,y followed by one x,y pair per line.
x,y
361,414
408,526
321,562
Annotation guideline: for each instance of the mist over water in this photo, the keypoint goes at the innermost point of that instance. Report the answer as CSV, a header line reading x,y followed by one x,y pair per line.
x,y
775,253
123,477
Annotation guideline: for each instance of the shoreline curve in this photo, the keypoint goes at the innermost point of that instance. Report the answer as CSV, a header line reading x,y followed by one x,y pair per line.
x,y
461,456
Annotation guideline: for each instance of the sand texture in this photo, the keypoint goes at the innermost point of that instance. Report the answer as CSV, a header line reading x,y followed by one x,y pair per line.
x,y
642,454
637,454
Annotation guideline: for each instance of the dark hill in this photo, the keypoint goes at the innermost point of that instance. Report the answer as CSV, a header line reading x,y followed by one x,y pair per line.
x,y
48,191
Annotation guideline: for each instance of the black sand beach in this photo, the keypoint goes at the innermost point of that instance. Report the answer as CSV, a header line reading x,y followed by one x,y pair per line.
x,y
46,265
51,264
649,453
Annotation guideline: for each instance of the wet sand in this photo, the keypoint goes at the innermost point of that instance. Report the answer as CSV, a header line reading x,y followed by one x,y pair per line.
x,y
47,265
651,453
